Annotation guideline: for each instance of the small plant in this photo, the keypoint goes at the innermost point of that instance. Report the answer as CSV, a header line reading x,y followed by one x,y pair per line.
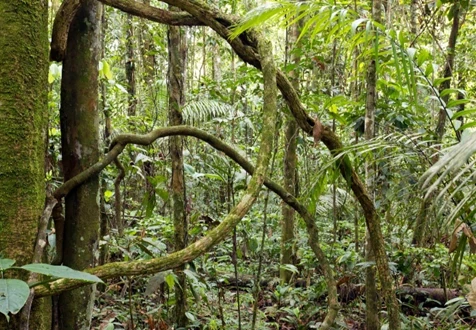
x,y
14,293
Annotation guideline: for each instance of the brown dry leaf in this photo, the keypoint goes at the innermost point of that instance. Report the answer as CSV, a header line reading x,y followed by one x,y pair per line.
x,y
454,237
471,297
471,239
317,131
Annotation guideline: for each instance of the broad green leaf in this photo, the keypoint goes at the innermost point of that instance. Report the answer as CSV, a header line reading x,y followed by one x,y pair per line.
x,y
62,272
107,195
164,194
6,263
170,280
107,70
191,275
13,296
422,56
289,267
155,281
190,316
110,326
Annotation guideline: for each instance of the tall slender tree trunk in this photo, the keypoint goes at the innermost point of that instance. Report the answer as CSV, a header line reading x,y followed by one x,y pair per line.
x,y
80,149
176,84
23,122
104,226
147,50
290,163
372,300
130,67
419,235
448,71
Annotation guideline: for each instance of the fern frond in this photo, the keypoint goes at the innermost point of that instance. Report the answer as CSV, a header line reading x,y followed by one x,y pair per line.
x,y
200,111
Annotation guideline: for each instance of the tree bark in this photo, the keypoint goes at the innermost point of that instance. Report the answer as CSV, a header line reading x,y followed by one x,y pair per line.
x,y
23,123
130,67
290,163
176,83
372,299
448,72
80,149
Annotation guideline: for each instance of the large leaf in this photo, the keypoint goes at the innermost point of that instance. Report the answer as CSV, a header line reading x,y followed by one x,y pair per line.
x,y
6,263
62,271
13,296
450,163
155,281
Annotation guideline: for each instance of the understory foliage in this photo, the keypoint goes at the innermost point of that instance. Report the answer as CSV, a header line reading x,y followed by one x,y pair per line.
x,y
417,176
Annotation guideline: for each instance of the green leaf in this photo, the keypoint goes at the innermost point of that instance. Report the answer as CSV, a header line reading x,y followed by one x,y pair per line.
x,y
107,195
293,269
6,263
411,53
454,103
356,23
106,70
366,264
463,113
468,125
156,281
437,82
170,280
13,296
449,91
109,326
190,316
62,272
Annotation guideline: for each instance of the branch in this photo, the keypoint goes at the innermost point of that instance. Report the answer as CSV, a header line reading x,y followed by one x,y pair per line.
x,y
61,25
116,269
68,9
153,14
245,47
217,234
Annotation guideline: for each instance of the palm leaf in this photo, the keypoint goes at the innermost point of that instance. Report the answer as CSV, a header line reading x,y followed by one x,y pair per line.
x,y
200,111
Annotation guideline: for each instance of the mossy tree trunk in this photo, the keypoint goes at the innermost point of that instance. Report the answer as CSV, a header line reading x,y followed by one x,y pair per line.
x,y
23,120
80,149
290,162
176,83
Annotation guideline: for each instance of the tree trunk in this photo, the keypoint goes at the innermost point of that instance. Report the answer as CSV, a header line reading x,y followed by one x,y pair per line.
x,y
80,149
372,300
176,83
147,51
448,72
290,163
23,122
130,67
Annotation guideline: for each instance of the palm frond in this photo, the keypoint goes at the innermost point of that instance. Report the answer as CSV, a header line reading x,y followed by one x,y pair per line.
x,y
266,13
200,111
450,164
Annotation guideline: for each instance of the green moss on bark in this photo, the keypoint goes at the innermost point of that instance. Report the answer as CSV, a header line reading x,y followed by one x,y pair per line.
x,y
23,118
